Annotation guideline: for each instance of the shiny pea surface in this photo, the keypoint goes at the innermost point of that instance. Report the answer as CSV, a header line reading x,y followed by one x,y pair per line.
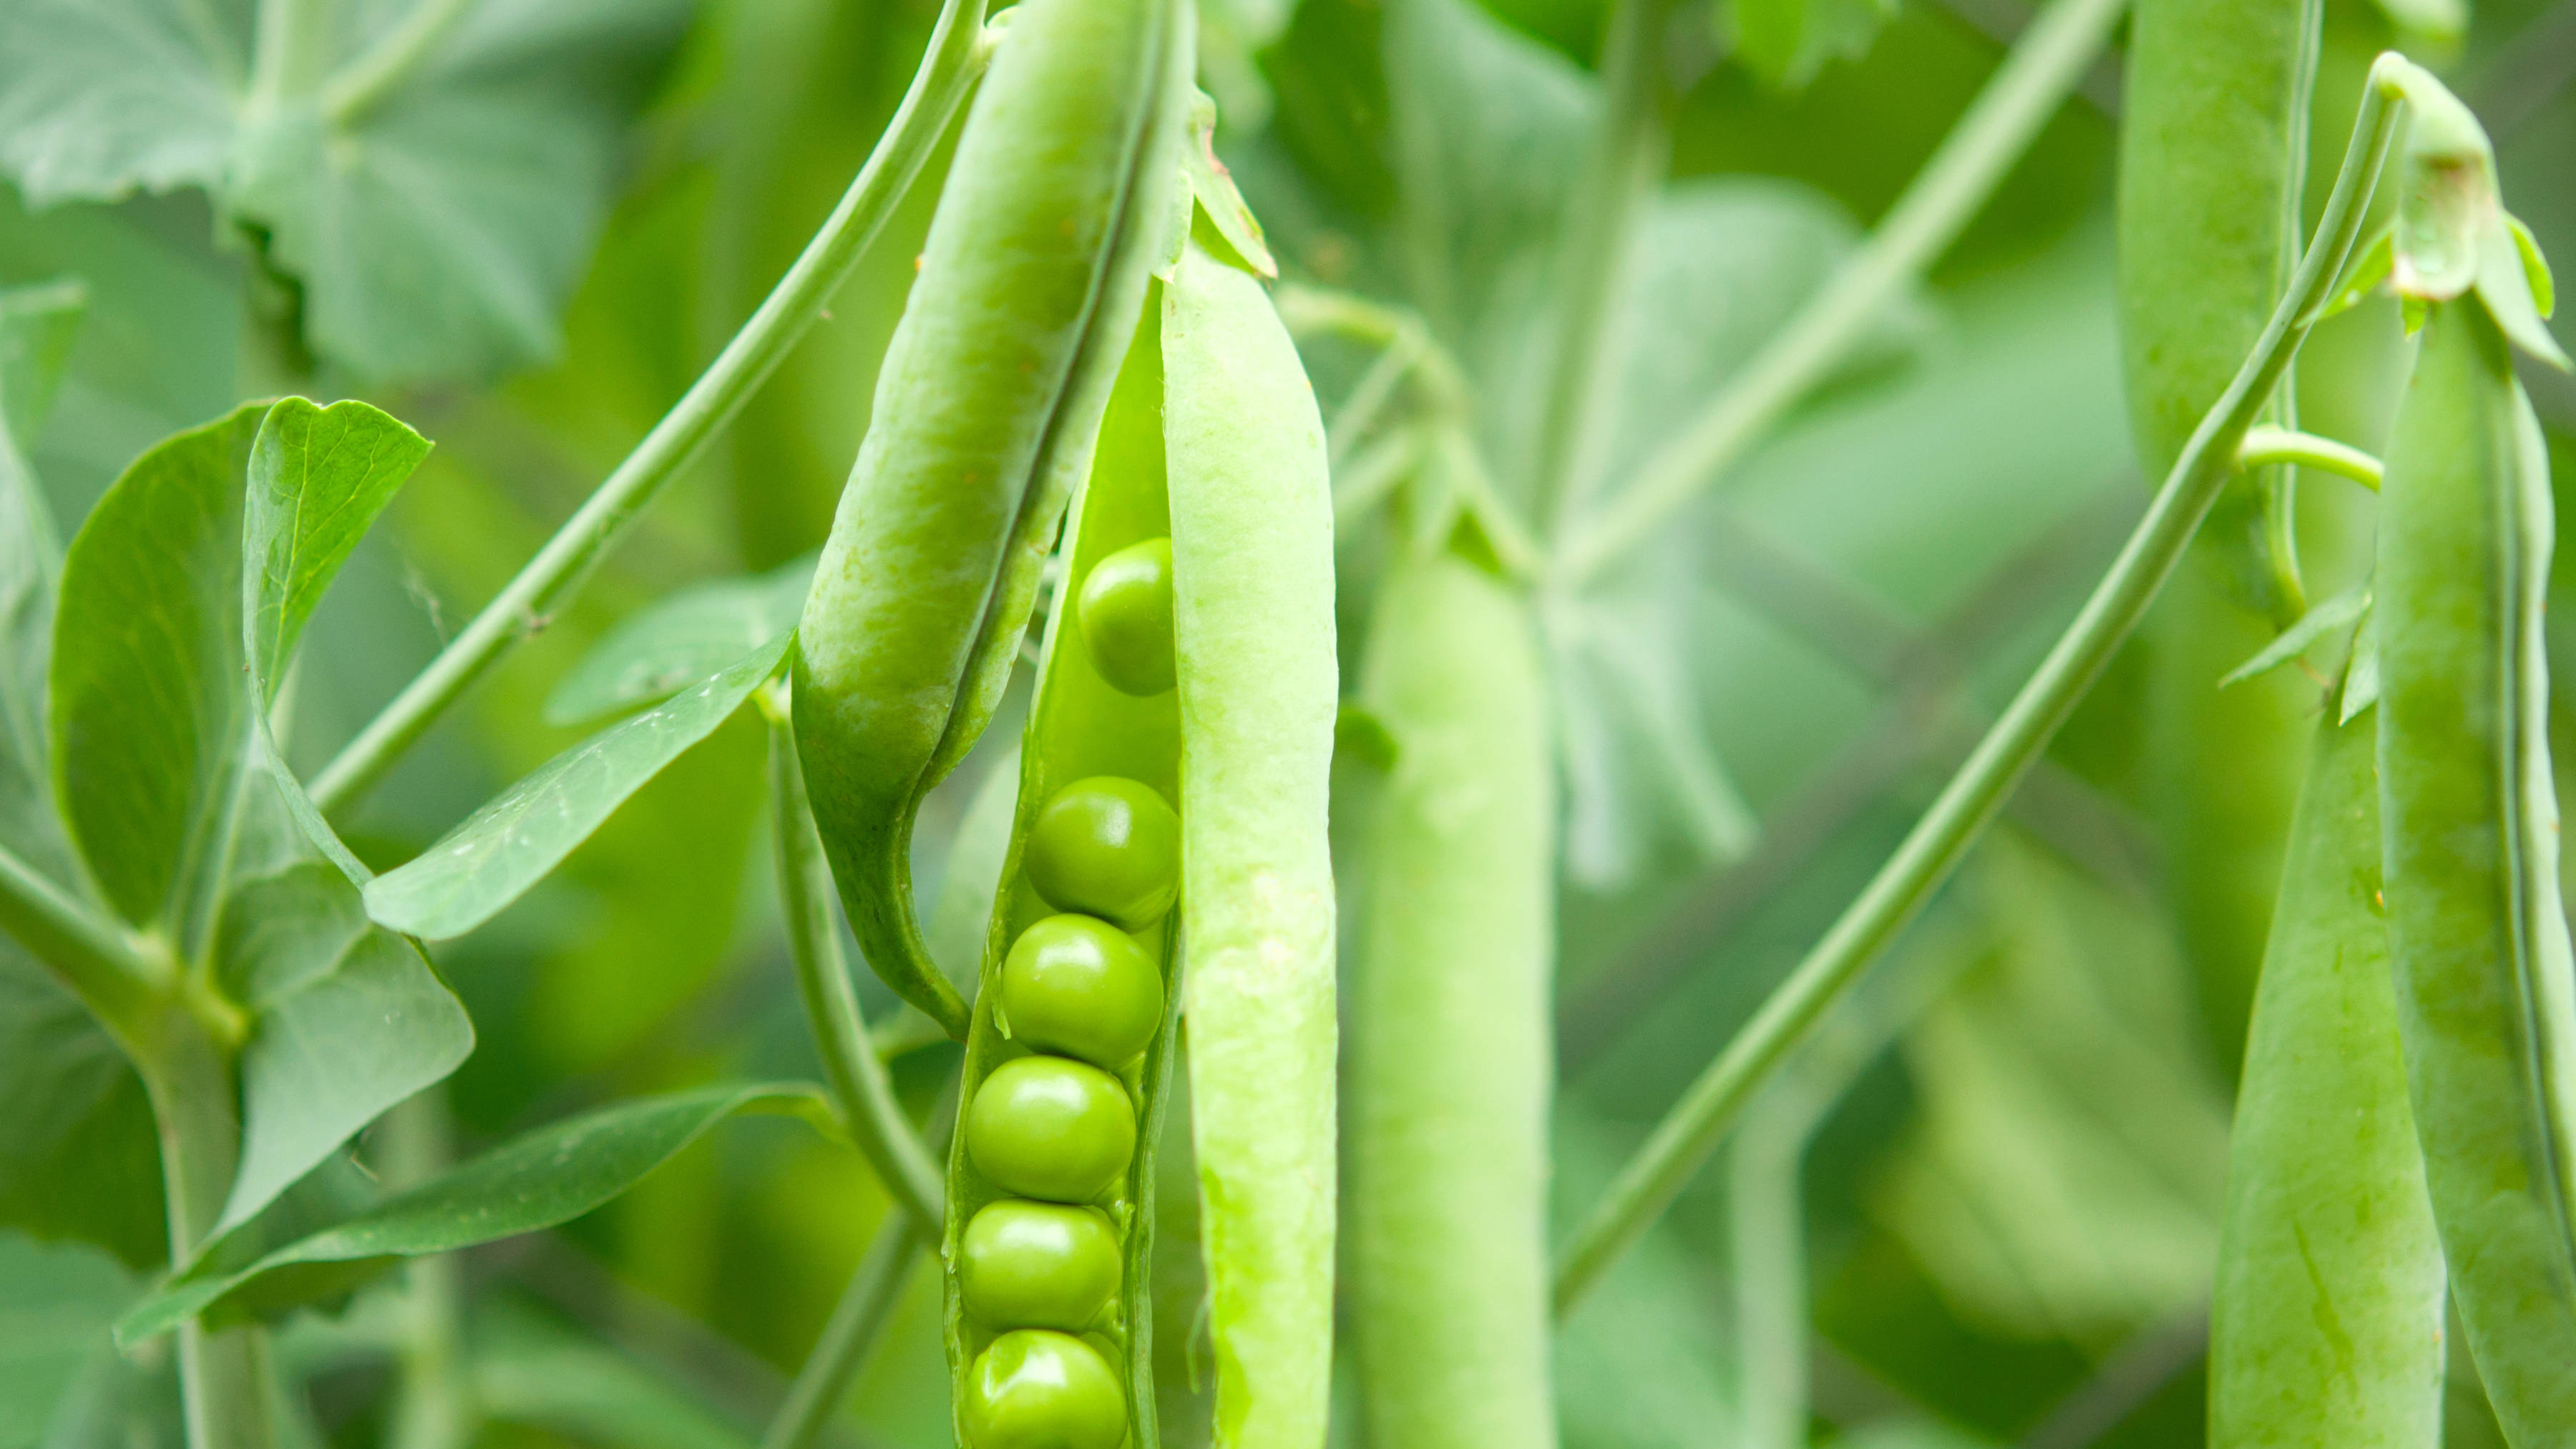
x,y
1052,1129
1037,1265
1036,1389
1126,617
1107,846
1082,987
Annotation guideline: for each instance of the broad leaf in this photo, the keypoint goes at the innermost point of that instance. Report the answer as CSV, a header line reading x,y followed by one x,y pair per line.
x,y
515,839
78,1156
59,1305
348,1020
147,706
1786,42
36,325
548,1177
318,478
2323,618
437,219
99,98
673,643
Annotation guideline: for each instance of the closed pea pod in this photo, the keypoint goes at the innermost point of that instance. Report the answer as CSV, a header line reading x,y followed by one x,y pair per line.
x,y
986,406
1450,1059
2469,823
1252,589
2326,1324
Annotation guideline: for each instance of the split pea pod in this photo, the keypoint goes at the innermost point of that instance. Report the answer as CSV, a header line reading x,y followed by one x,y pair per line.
x,y
986,408
1252,570
1450,1054
2326,1326
2485,991
1173,794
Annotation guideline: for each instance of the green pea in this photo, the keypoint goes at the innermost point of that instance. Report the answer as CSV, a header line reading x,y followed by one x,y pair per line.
x,y
1037,1265
1108,847
1082,987
1033,1389
1126,617
1053,1129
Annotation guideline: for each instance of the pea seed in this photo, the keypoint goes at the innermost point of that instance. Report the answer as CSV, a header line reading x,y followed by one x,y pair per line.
x,y
1108,847
1037,1265
1033,1389
1052,1129
1082,987
1126,617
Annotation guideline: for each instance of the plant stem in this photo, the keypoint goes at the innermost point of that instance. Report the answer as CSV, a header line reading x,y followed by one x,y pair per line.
x,y
2264,447
852,1332
1683,1140
433,1401
527,603
857,1079
291,47
1766,1224
96,958
2006,117
223,1376
381,70
1628,155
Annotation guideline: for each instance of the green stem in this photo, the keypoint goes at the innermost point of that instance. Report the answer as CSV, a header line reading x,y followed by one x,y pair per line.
x,y
433,1401
291,47
1683,1140
104,966
360,86
850,1067
528,602
2006,117
224,1376
852,1332
2265,447
1628,155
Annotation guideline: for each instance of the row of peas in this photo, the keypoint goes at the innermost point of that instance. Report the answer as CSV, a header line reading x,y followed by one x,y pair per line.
x,y
1058,1127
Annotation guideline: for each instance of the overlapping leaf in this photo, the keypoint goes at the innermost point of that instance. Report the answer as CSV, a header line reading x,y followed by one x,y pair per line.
x,y
436,211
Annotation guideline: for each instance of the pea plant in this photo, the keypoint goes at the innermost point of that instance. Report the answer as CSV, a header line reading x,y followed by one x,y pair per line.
x,y
1323,705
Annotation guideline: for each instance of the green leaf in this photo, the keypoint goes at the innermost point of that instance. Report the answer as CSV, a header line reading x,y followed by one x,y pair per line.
x,y
437,212
479,182
516,838
100,98
542,1179
348,1020
78,1155
2535,267
2506,266
36,325
318,478
2323,619
146,699
662,649
60,1302
2364,275
2360,676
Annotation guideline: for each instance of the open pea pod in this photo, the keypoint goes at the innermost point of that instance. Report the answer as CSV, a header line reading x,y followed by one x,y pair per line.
x,y
1173,789
2485,991
2326,1323
986,410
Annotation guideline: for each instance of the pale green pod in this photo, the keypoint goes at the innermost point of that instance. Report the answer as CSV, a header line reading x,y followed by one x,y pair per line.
x,y
1451,1058
1252,585
2326,1325
986,407
2486,997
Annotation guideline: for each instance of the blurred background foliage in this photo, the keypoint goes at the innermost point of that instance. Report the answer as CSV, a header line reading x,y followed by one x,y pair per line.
x,y
2002,1166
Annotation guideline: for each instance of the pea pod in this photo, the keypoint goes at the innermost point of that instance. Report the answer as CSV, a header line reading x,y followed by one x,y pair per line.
x,y
1450,1059
2326,1327
2485,992
986,408
1252,618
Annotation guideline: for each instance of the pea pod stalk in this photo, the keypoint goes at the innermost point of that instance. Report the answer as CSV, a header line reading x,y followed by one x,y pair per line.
x,y
2486,993
986,410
